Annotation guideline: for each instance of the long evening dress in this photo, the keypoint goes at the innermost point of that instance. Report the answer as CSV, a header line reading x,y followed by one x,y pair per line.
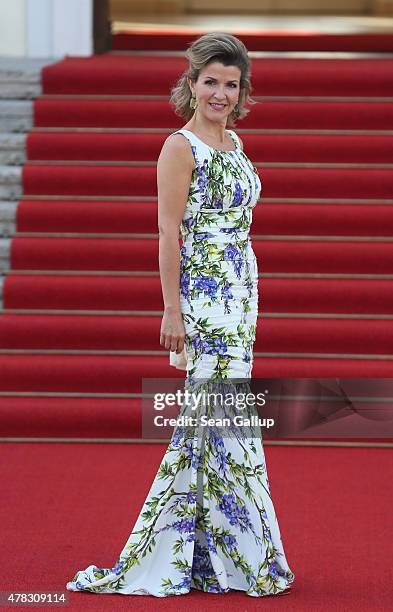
x,y
208,521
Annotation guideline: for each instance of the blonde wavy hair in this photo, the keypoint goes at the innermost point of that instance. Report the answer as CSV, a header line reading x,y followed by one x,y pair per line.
x,y
211,47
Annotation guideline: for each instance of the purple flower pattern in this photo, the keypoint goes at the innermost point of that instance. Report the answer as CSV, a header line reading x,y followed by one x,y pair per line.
x,y
208,522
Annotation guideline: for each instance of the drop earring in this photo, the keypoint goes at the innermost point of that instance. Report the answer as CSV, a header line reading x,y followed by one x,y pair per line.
x,y
193,102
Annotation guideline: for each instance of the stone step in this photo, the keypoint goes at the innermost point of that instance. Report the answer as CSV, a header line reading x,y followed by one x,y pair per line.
x,y
19,85
5,251
8,218
12,149
16,115
10,182
20,78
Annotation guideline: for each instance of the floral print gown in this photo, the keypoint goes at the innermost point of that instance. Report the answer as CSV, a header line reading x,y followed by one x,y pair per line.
x,y
208,521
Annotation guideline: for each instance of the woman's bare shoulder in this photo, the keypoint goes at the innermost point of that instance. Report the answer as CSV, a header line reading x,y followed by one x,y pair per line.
x,y
176,145
176,142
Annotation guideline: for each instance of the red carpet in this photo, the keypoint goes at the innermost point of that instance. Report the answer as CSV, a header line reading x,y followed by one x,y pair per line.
x,y
117,374
143,293
121,332
129,39
104,254
262,148
83,500
271,217
91,180
125,75
105,112
79,333
82,298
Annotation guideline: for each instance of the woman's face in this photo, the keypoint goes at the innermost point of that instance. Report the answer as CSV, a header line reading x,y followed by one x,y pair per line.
x,y
217,90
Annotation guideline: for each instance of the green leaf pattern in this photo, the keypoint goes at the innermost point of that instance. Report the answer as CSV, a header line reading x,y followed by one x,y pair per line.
x,y
208,521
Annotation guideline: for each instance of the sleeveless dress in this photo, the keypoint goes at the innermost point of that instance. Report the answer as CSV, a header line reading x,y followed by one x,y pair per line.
x,y
218,267
208,521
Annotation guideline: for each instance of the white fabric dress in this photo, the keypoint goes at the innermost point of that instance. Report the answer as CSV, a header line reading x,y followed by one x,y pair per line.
x,y
208,521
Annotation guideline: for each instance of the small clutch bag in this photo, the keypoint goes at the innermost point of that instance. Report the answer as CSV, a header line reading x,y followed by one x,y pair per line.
x,y
179,361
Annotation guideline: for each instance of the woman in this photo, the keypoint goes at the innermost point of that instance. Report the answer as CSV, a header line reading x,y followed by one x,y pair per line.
x,y
208,521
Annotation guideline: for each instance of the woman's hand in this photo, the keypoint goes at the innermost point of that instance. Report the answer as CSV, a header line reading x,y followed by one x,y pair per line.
x,y
172,332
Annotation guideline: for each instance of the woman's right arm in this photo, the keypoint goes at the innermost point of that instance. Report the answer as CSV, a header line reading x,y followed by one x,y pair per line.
x,y
174,169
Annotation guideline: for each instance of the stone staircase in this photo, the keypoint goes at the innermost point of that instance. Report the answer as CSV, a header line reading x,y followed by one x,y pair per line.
x,y
20,83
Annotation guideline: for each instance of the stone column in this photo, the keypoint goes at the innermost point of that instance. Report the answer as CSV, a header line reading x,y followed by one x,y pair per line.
x,y
46,28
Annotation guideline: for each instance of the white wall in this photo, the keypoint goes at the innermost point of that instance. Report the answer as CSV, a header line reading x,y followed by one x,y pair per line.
x,y
39,33
46,28
12,27
78,14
